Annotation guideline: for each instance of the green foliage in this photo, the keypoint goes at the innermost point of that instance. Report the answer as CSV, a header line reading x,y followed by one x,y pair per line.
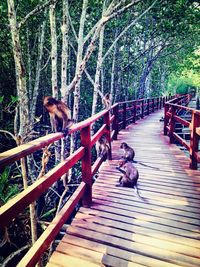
x,y
48,213
7,190
1,99
180,84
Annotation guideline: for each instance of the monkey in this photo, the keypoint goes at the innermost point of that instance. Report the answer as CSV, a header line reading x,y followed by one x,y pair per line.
x,y
129,155
129,152
103,147
60,114
130,175
106,101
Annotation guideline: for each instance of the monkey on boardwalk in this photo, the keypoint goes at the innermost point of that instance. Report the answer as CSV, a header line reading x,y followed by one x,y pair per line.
x,y
129,152
60,114
103,147
106,101
129,155
130,175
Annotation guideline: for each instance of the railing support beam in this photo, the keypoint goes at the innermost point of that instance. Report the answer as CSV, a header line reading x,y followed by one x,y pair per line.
x,y
86,166
194,140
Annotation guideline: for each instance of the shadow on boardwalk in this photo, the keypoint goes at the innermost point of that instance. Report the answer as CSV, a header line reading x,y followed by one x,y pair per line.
x,y
120,229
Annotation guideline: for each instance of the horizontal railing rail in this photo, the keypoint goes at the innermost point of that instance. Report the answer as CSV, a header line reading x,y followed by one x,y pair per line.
x,y
175,110
118,117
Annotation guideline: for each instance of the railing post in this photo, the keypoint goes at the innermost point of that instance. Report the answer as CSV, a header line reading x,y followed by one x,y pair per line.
x,y
115,125
124,116
86,166
157,104
134,110
194,140
148,107
163,100
142,112
107,132
160,102
172,125
153,103
166,108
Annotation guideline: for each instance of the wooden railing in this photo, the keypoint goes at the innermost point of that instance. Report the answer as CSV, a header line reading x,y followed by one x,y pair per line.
x,y
118,117
174,113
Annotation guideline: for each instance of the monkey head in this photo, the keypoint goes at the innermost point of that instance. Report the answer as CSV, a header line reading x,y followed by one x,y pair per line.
x,y
124,145
50,103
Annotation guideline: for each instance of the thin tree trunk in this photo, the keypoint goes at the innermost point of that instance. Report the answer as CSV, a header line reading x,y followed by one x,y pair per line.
x,y
20,70
54,52
112,83
65,44
38,69
98,72
79,60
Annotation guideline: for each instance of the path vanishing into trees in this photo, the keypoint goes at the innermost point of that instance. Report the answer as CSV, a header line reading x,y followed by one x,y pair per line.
x,y
119,229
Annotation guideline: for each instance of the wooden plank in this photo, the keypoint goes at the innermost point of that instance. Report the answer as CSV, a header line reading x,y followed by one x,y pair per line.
x,y
144,216
116,252
195,197
156,233
135,236
173,198
153,250
148,205
113,262
81,252
139,222
63,260
153,200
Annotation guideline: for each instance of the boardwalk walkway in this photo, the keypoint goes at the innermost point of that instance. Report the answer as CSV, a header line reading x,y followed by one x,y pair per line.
x,y
120,230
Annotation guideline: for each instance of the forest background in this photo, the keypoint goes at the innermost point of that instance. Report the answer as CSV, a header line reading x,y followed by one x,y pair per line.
x,y
77,51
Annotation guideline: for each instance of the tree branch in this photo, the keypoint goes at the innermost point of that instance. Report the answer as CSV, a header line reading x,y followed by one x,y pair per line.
x,y
38,9
125,30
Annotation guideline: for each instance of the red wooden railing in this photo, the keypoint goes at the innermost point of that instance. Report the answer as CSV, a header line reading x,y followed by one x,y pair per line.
x,y
175,107
118,117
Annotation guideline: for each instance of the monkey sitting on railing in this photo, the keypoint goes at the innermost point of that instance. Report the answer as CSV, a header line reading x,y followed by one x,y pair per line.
x,y
60,114
106,101
102,148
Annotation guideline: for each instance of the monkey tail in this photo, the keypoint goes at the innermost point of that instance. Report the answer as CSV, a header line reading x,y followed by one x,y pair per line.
x,y
145,165
138,194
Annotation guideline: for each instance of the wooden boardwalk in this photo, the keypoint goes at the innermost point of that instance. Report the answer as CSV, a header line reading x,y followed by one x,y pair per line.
x,y
119,229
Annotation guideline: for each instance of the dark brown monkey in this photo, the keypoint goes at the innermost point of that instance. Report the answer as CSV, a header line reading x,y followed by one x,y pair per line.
x,y
60,114
130,175
106,101
103,147
129,152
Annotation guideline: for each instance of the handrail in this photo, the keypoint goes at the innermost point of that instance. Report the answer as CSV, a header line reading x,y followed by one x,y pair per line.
x,y
172,110
114,120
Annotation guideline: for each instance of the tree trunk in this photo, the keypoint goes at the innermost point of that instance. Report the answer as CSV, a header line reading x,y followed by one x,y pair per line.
x,y
53,51
98,67
65,43
38,69
112,83
79,60
20,71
